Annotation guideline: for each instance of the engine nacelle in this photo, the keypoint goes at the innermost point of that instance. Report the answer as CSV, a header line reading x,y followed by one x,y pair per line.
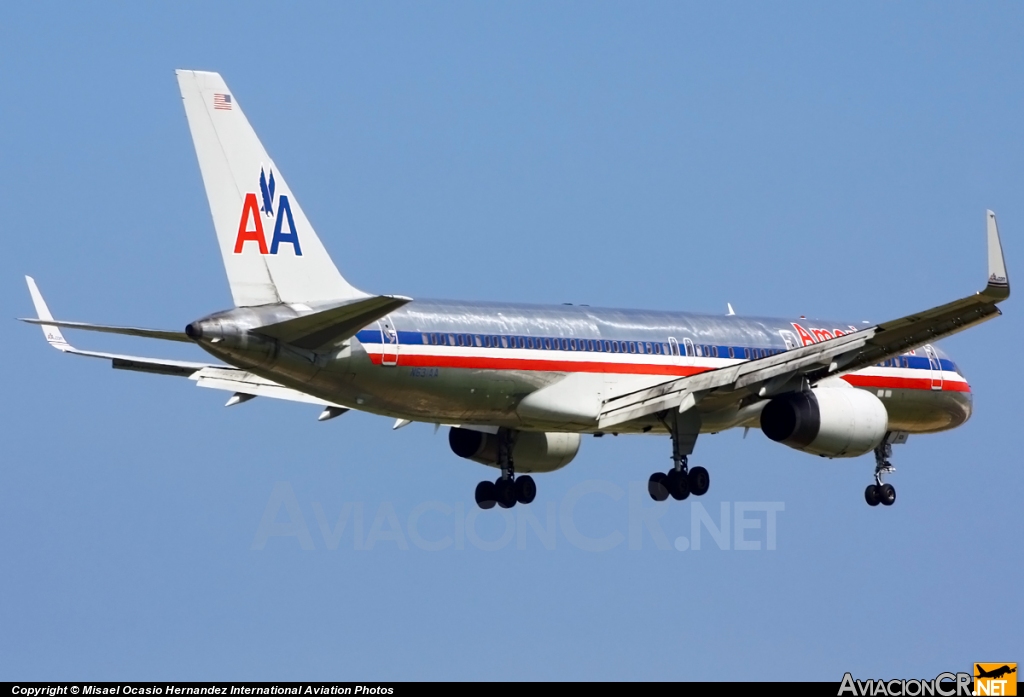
x,y
833,421
532,452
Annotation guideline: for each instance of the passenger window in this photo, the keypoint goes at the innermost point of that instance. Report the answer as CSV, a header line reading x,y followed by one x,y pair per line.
x,y
547,344
487,341
565,344
732,354
714,351
606,346
504,341
746,353
615,347
529,342
478,340
632,347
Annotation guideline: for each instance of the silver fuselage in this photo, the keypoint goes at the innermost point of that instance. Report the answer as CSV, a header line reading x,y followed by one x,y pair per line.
x,y
474,363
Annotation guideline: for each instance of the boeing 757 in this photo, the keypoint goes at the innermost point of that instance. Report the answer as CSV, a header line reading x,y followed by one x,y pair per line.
x,y
519,385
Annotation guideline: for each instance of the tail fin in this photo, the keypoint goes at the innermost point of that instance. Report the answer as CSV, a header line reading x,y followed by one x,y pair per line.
x,y
271,253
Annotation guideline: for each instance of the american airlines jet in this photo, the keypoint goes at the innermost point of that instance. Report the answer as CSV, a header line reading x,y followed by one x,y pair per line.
x,y
518,385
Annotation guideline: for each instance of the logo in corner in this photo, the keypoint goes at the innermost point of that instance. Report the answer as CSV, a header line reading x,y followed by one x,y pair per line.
x,y
995,679
250,225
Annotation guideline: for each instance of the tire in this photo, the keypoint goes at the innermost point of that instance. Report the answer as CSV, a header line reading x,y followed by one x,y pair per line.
x,y
699,481
486,496
526,489
656,487
871,495
505,492
678,485
887,494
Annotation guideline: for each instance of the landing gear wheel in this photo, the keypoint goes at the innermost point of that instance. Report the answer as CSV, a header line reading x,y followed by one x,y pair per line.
x,y
887,494
526,489
884,494
656,487
871,495
486,496
677,484
699,481
505,492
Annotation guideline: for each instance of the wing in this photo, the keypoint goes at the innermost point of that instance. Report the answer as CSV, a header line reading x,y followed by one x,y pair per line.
x,y
220,377
50,325
786,371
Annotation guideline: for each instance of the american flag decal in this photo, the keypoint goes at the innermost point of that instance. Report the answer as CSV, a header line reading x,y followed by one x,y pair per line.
x,y
222,101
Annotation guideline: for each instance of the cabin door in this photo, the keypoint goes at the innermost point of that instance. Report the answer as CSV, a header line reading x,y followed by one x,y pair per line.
x,y
389,342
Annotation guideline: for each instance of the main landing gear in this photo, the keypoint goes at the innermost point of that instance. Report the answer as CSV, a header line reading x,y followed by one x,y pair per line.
x,y
507,490
680,481
880,493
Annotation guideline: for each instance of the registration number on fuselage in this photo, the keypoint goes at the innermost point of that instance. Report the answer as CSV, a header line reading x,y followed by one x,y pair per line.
x,y
425,372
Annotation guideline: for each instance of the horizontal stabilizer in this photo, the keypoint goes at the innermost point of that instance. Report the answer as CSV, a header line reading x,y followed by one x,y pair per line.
x,y
318,329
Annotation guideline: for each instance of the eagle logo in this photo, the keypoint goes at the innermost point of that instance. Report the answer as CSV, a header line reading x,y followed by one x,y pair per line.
x,y
267,189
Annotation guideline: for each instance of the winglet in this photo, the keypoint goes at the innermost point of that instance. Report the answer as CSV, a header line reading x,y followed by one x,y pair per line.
x,y
998,282
51,332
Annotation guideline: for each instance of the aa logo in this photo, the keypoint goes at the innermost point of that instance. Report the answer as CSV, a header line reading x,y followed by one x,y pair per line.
x,y
250,226
995,678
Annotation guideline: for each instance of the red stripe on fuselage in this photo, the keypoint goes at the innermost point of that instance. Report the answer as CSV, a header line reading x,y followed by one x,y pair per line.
x,y
411,360
546,365
894,383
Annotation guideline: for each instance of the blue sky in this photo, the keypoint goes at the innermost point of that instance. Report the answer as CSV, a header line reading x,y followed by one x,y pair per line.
x,y
790,159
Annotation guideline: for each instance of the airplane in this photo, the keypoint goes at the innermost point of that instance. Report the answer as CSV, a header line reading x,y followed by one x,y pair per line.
x,y
996,673
519,385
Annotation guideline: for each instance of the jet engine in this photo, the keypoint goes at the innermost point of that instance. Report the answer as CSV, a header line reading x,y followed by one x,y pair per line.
x,y
834,421
531,452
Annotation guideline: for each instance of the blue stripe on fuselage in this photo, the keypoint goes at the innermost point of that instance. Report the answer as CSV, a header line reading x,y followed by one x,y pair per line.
x,y
373,336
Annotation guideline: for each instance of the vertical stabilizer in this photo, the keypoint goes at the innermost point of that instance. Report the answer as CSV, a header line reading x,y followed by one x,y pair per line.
x,y
271,252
